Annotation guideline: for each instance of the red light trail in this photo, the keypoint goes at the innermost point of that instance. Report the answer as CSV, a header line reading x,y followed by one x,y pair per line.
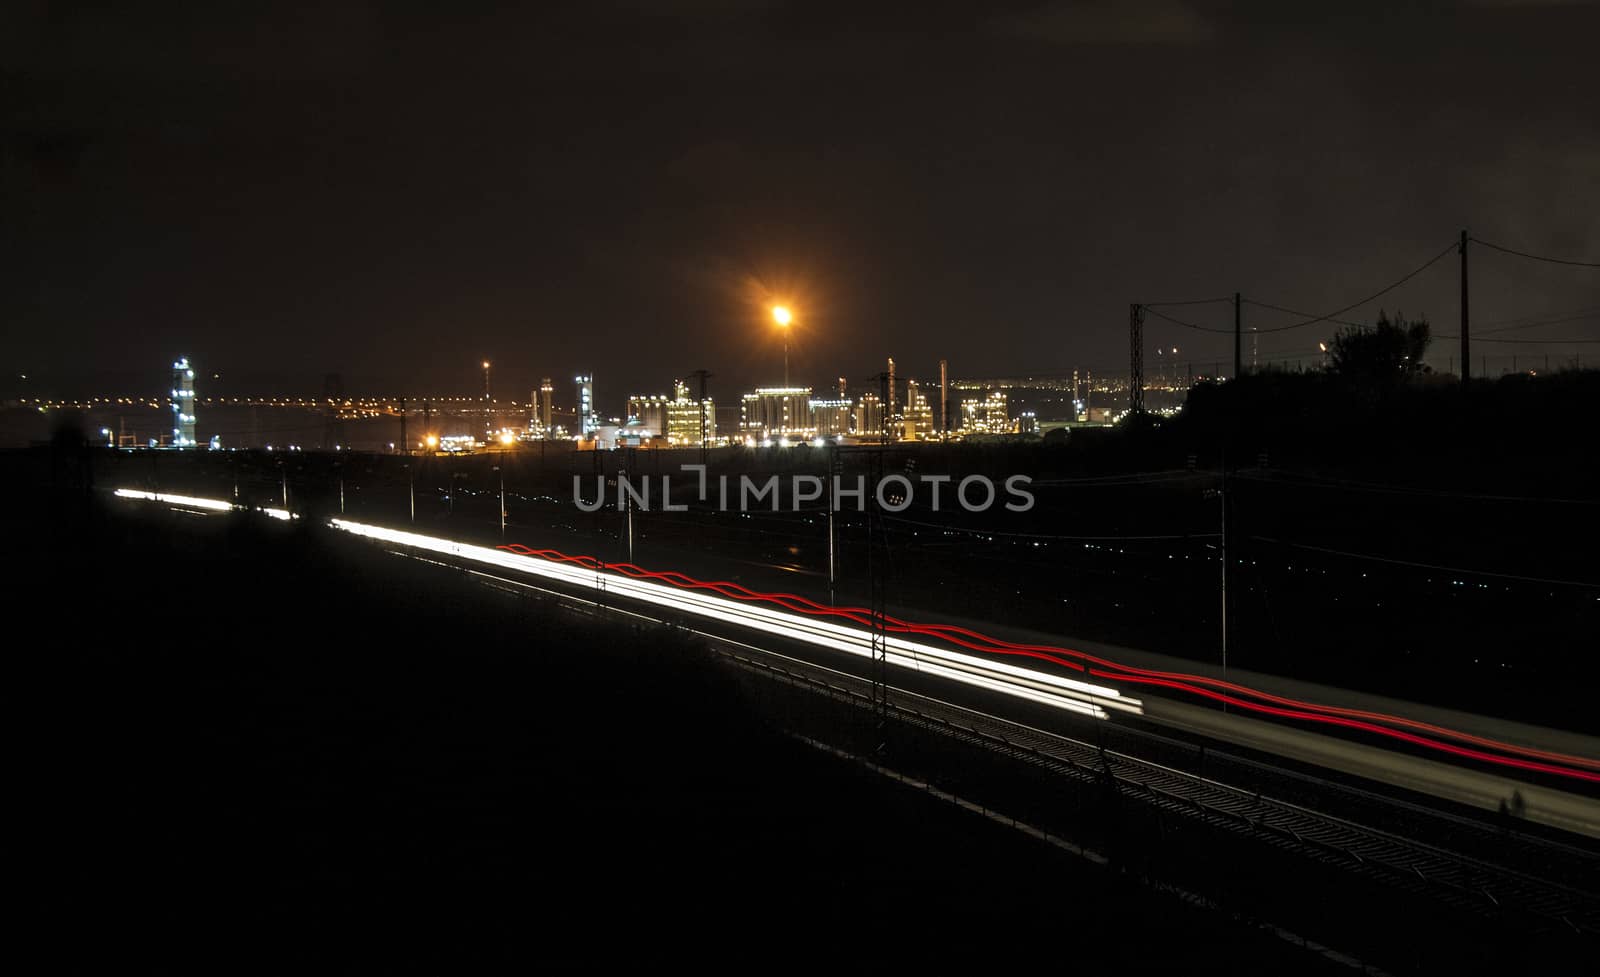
x,y
1239,696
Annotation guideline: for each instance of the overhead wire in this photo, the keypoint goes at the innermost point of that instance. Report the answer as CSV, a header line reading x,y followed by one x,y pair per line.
x,y
1535,257
1189,302
1539,342
1187,325
1279,476
1071,539
1331,316
1530,322
1279,308
1466,571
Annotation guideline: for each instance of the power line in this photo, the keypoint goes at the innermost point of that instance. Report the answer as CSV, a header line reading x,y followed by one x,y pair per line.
x,y
1279,308
1375,295
1299,480
1536,257
1189,302
1123,479
993,532
1558,342
1188,325
1428,566
1529,322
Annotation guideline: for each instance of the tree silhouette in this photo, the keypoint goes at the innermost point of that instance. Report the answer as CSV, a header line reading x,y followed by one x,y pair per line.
x,y
1389,350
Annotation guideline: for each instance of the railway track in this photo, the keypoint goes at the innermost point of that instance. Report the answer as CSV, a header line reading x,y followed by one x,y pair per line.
x,y
1449,859
1434,869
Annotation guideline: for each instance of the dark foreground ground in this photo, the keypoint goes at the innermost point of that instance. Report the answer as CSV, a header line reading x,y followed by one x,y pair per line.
x,y
249,746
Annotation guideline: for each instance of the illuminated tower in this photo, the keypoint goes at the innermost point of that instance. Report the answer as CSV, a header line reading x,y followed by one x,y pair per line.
x,y
690,420
547,406
918,415
869,416
890,405
588,423
944,398
182,404
486,381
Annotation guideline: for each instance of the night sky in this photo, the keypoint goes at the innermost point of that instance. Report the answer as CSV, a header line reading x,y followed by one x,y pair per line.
x,y
395,192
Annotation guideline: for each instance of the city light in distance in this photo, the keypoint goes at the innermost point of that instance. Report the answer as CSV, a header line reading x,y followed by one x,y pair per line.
x,y
781,315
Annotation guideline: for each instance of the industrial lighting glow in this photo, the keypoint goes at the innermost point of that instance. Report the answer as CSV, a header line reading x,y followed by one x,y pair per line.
x,y
781,315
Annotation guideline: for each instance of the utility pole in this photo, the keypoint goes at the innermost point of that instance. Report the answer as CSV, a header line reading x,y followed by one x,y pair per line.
x,y
1466,352
1221,492
1222,495
332,399
405,445
886,389
877,573
702,376
627,503
835,471
1136,358
1238,319
502,472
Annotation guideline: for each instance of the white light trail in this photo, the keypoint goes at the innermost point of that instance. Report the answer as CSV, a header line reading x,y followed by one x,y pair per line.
x,y
215,505
1042,687
191,502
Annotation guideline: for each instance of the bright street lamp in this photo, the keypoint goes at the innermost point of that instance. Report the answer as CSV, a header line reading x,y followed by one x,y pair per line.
x,y
781,316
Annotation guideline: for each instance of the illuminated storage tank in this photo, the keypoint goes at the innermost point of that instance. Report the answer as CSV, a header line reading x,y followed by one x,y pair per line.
x,y
587,421
182,404
774,412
